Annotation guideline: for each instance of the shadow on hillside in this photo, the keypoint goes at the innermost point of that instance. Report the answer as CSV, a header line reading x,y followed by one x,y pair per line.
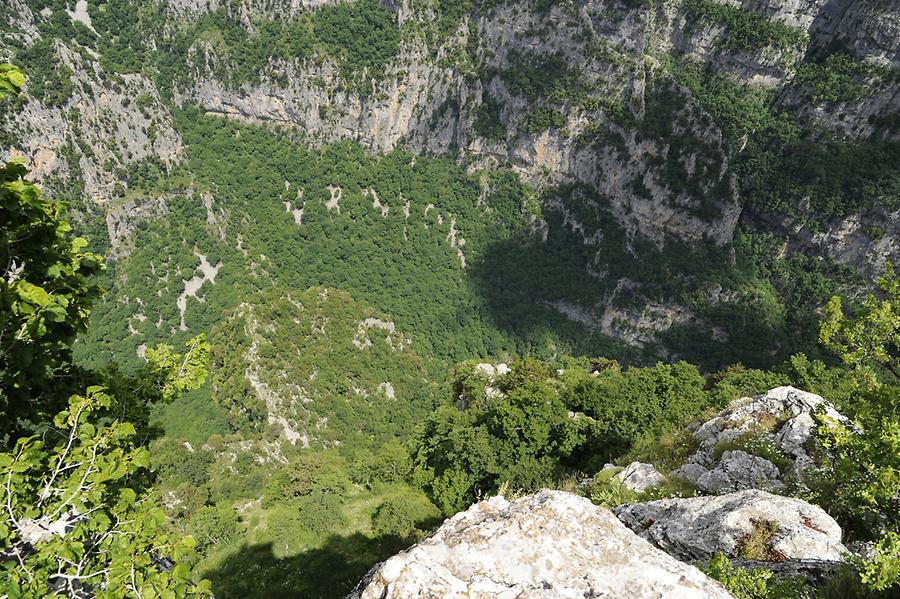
x,y
518,278
331,570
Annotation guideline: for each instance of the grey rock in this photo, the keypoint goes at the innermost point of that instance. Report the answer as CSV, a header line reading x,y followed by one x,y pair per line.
x,y
814,571
695,528
738,470
547,545
640,477
691,472
782,420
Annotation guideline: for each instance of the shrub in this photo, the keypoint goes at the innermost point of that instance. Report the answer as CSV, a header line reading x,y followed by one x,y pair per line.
x,y
402,515
756,545
757,583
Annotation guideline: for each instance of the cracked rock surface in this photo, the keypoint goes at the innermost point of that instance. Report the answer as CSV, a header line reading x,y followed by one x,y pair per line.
x,y
733,447
769,527
550,544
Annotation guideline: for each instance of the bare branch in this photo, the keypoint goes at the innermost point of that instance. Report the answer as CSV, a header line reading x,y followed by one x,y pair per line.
x,y
46,491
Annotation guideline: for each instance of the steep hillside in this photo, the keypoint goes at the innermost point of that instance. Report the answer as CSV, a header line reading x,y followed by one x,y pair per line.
x,y
639,126
317,367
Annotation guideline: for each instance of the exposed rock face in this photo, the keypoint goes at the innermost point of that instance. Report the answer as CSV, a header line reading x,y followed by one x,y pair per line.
x,y
100,116
738,445
96,135
547,545
431,106
640,477
738,470
751,524
245,9
848,240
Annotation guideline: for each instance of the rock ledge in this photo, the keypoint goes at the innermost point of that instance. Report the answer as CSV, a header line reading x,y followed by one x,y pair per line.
x,y
548,545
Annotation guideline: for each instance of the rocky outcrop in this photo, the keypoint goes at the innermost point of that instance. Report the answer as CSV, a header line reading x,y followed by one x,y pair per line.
x,y
121,124
865,242
756,442
551,544
107,125
749,524
244,10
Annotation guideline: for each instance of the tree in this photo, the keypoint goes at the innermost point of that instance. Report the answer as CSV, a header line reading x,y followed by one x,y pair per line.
x,y
75,522
870,341
861,484
46,290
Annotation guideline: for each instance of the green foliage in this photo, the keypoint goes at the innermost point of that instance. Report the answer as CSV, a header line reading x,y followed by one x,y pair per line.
x,y
46,290
214,525
668,451
739,109
692,163
193,417
404,266
882,570
403,515
634,406
542,118
833,176
836,77
738,381
49,79
756,583
745,29
860,485
521,434
362,35
871,340
316,359
783,168
756,545
516,438
608,491
177,373
74,518
488,123
384,465
11,80
79,519
545,77
312,473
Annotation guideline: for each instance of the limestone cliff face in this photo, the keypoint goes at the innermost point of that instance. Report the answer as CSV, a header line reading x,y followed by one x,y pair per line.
x,y
245,10
102,121
107,124
435,90
427,102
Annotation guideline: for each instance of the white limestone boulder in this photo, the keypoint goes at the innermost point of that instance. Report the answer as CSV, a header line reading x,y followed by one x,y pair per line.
x,y
640,477
548,545
750,524
737,447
